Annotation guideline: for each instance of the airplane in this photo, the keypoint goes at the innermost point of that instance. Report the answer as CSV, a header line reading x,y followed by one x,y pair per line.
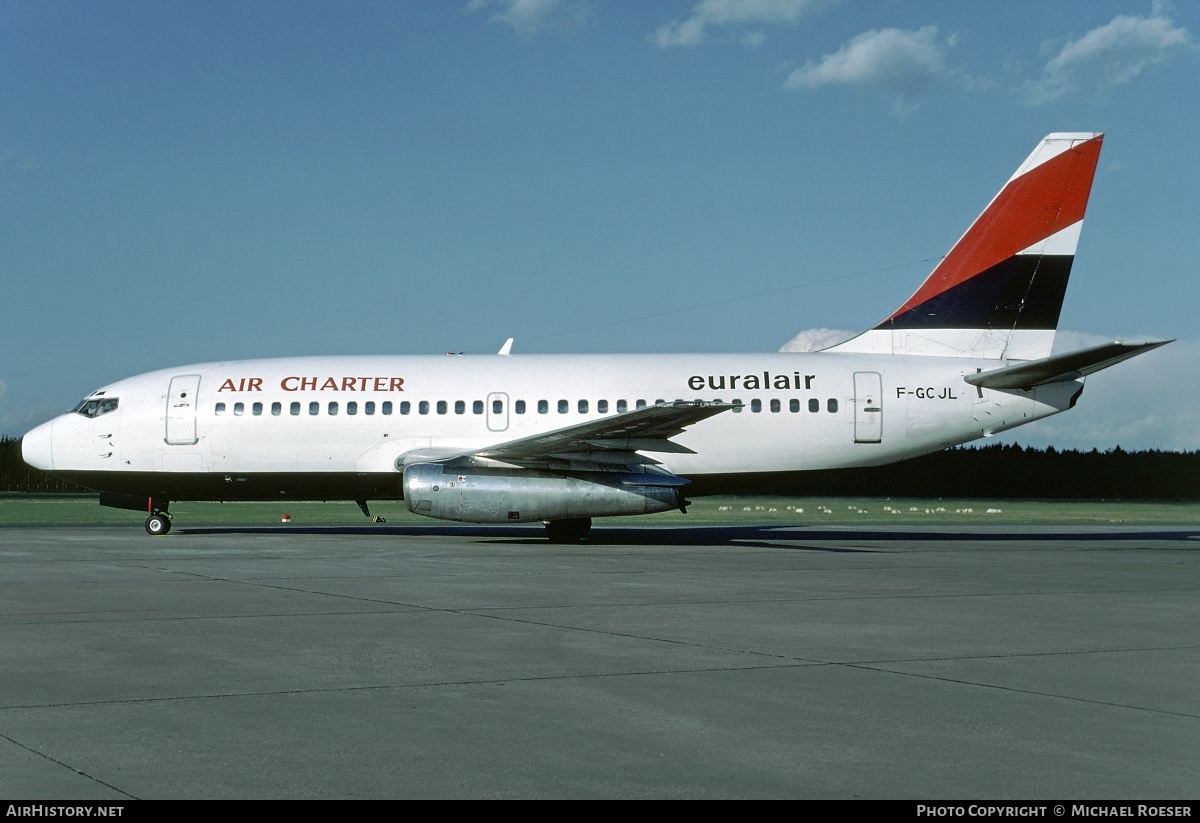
x,y
563,439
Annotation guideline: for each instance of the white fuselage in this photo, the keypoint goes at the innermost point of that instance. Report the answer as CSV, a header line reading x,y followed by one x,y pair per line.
x,y
329,416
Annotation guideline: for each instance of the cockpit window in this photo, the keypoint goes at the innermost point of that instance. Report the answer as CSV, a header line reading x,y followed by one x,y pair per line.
x,y
96,406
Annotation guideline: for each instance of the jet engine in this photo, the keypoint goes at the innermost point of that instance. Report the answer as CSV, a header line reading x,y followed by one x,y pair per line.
x,y
524,495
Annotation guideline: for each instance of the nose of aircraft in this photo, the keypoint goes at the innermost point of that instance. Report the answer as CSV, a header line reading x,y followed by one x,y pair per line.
x,y
37,447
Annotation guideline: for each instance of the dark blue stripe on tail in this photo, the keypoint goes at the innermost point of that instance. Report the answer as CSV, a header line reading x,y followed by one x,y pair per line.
x,y
1024,292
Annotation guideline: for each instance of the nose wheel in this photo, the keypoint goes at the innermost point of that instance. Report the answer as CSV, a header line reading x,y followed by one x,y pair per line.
x,y
158,523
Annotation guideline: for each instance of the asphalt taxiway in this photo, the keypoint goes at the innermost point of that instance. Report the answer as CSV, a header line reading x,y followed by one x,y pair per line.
x,y
389,662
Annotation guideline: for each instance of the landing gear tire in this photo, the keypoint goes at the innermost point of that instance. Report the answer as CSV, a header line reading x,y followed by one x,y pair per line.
x,y
158,523
568,531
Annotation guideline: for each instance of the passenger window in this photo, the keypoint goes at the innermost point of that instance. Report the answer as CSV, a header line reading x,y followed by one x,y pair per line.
x,y
756,405
641,404
351,408
622,406
369,407
814,405
220,409
794,405
405,407
442,408
775,407
543,406
277,409
423,407
563,405
239,408
660,402
314,407
583,407
519,407
497,407
295,409
460,407
477,407
832,404
386,408
257,408
333,406
602,406
737,406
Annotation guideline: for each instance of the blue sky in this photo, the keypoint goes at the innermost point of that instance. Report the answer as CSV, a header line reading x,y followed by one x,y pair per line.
x,y
221,180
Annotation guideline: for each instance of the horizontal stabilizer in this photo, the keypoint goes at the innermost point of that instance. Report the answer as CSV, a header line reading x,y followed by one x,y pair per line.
x,y
1056,368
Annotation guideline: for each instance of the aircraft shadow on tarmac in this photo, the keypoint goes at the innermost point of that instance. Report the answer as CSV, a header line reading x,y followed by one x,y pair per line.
x,y
764,536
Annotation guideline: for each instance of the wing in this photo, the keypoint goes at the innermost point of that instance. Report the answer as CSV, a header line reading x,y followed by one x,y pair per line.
x,y
609,444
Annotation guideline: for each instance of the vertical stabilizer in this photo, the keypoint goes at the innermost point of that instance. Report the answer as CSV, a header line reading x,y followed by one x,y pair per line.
x,y
998,293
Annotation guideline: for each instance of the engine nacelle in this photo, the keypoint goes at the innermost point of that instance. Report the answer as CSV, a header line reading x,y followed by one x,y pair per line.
x,y
523,496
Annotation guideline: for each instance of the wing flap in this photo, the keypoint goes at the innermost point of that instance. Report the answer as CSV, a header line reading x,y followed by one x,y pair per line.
x,y
633,444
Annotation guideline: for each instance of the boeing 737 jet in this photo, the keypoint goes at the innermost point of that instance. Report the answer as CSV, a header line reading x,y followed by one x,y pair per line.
x,y
566,438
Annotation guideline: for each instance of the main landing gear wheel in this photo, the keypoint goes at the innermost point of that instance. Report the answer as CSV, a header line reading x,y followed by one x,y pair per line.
x,y
568,531
158,523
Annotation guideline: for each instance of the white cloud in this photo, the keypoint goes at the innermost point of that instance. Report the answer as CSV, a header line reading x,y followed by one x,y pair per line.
x,y
528,17
690,32
10,161
1107,56
816,339
14,422
713,13
753,39
903,62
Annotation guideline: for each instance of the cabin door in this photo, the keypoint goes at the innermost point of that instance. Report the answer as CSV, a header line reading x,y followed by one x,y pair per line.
x,y
497,412
181,410
868,407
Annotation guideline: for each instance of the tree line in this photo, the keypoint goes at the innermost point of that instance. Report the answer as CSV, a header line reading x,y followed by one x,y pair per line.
x,y
1010,471
966,471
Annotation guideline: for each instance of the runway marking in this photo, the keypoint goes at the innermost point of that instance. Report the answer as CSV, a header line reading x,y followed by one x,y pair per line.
x,y
643,673
1034,692
67,766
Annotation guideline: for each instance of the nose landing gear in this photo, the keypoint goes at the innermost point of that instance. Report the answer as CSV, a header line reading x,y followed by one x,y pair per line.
x,y
159,522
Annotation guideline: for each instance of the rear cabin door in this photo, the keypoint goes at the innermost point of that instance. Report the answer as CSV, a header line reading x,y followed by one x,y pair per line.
x,y
868,407
181,410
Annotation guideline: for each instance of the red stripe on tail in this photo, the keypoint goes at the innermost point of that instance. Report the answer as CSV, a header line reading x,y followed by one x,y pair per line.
x,y
1046,199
